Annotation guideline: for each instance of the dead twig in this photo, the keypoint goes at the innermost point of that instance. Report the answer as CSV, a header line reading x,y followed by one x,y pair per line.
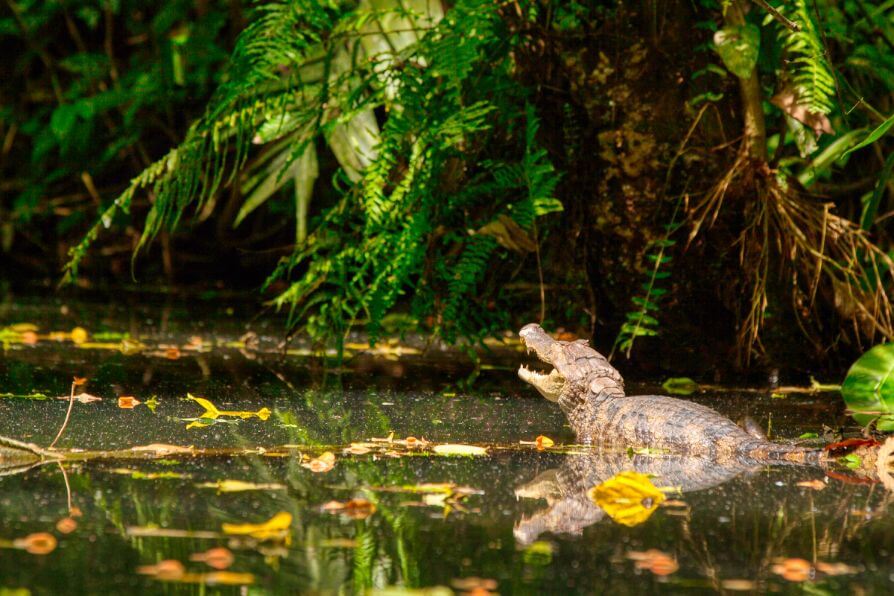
x,y
76,382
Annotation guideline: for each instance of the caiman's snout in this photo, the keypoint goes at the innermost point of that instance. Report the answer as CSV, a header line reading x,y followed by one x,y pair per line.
x,y
537,340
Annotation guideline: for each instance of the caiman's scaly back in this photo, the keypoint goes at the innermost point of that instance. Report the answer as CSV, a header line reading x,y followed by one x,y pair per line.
x,y
591,393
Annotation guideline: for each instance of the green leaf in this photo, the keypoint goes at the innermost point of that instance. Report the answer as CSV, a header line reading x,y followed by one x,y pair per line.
x,y
874,135
738,48
868,388
63,120
680,386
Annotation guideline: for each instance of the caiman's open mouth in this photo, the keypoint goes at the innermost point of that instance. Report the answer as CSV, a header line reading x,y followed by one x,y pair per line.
x,y
536,340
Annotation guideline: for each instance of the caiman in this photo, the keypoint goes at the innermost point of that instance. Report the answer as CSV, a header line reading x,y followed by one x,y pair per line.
x,y
590,392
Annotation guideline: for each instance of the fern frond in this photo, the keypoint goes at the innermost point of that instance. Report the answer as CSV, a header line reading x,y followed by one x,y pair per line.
x,y
811,73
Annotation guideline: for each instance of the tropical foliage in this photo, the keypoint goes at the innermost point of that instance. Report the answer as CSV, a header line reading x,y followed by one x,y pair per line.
x,y
409,154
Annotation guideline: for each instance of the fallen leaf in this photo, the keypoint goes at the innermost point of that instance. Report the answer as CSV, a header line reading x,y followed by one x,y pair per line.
x,y
629,498
220,578
236,486
836,449
216,558
457,449
815,484
836,568
66,525
40,543
359,448
656,561
129,346
323,463
167,570
213,413
355,508
794,570
162,448
543,442
128,402
84,398
738,585
276,527
172,353
474,585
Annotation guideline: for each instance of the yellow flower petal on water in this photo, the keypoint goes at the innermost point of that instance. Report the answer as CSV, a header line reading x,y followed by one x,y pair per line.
x,y
628,497
275,527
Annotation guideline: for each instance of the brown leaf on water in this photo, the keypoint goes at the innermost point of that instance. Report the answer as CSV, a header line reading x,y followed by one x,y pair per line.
x,y
842,447
172,353
793,570
815,484
323,463
216,558
84,398
654,560
836,568
39,543
738,585
66,525
162,449
359,448
478,586
788,101
128,402
167,570
355,508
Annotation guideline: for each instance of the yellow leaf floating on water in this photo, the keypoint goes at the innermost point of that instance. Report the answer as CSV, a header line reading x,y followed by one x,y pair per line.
x,y
458,449
213,413
237,486
628,497
274,528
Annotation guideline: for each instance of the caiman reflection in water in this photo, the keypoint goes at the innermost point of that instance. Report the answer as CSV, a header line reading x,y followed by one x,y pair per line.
x,y
565,489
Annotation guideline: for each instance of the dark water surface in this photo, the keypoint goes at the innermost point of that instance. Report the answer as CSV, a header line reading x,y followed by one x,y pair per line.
x,y
516,520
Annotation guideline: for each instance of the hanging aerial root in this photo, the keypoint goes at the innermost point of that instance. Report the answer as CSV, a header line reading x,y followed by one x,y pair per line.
x,y
816,249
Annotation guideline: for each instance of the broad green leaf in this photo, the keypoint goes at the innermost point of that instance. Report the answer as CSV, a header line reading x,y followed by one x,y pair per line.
x,y
868,388
738,48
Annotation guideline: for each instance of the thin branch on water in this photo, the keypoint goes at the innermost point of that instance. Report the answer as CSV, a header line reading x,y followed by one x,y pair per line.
x,y
74,384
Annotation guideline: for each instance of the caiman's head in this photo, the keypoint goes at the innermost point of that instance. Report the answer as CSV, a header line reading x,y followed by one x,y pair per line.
x,y
577,368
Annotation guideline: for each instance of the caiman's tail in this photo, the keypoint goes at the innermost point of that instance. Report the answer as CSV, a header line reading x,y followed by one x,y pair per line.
x,y
765,451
